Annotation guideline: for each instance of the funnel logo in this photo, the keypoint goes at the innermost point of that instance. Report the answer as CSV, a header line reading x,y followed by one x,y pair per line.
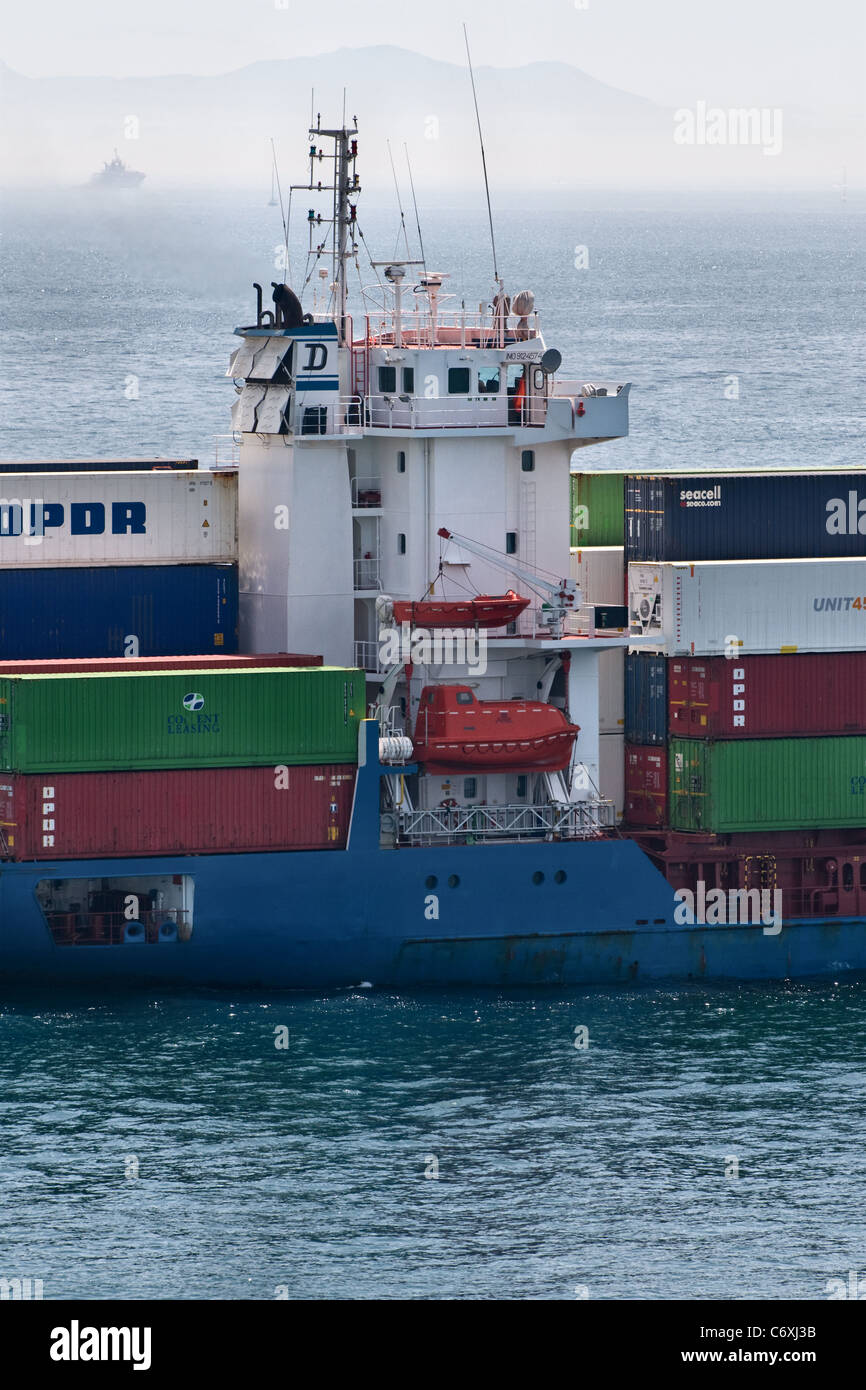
x,y
193,702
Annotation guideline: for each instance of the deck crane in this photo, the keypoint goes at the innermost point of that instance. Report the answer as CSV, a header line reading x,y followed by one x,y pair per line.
x,y
561,596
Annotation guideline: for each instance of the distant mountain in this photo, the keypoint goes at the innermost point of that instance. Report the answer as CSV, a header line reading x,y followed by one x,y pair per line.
x,y
547,126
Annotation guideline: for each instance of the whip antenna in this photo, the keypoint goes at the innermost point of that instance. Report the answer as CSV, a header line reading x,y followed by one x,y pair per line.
x,y
483,156
399,205
415,205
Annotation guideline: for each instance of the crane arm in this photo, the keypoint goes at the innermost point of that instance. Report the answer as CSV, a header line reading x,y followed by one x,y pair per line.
x,y
563,593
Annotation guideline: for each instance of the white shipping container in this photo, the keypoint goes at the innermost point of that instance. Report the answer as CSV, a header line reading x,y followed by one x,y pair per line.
x,y
743,607
611,691
158,518
611,770
600,572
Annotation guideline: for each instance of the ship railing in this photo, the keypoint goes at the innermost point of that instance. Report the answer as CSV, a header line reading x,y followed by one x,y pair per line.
x,y
366,492
367,573
575,820
351,415
151,927
451,328
386,412
227,450
367,657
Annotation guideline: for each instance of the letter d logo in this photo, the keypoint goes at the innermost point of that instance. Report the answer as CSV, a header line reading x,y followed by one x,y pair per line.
x,y
317,356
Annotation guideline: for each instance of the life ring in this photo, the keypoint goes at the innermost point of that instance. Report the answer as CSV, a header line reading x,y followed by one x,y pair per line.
x,y
449,803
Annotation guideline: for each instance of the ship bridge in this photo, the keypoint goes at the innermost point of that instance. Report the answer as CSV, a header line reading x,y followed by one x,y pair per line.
x,y
364,426
486,372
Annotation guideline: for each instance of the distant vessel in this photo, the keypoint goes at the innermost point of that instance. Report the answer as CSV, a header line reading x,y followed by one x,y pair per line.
x,y
115,174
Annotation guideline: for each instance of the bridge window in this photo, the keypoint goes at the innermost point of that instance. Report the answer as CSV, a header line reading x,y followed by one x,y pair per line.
x,y
401,543
401,462
387,379
458,381
408,381
511,542
527,460
488,381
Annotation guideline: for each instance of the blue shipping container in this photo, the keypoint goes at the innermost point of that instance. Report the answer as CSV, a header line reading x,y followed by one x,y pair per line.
x,y
646,698
746,516
173,610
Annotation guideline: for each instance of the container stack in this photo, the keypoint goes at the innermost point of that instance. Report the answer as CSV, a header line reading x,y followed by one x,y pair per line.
x,y
598,567
115,564
749,592
159,761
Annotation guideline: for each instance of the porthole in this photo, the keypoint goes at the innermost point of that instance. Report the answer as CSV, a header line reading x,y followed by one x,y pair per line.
x,y
560,876
430,881
453,881
538,876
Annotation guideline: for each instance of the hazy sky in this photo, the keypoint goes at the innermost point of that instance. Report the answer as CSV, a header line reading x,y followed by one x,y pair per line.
x,y
770,52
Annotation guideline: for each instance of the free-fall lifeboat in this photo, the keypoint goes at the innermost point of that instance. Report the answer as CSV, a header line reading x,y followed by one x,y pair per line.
x,y
453,730
485,610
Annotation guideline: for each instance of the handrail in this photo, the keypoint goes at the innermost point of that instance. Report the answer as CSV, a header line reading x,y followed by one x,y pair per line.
x,y
565,820
449,328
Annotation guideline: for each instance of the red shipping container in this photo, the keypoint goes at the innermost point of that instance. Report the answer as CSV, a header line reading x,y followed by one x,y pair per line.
x,y
767,696
646,786
70,665
219,810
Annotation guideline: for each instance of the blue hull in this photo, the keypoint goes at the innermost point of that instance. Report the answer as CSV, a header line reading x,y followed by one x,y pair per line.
x,y
332,919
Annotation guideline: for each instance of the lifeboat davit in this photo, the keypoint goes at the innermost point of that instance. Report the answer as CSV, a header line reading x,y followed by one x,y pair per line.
x,y
485,610
455,732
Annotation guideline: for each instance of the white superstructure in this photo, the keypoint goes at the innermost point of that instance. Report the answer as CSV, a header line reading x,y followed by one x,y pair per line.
x,y
365,432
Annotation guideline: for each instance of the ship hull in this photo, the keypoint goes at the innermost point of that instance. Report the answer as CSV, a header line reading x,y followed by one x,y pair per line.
x,y
314,920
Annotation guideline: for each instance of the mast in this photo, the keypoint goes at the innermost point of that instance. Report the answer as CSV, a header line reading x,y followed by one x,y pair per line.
x,y
345,184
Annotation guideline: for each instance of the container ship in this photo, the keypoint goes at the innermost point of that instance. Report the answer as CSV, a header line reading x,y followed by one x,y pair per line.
x,y
352,707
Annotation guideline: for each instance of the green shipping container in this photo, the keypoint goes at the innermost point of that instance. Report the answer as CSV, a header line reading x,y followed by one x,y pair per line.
x,y
767,784
597,509
166,719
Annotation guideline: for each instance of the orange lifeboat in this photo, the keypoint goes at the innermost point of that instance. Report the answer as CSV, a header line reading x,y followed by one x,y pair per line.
x,y
485,610
455,732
